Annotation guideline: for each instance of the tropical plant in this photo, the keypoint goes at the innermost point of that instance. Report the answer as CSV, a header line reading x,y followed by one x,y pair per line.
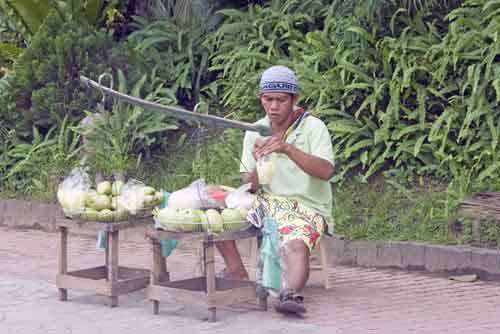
x,y
249,41
417,91
177,41
116,141
28,15
46,85
37,166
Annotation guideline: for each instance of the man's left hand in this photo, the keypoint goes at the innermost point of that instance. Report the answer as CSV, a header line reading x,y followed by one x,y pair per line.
x,y
272,144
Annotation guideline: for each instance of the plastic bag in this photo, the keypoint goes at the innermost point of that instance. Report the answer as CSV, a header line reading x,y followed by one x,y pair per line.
x,y
198,195
72,191
240,198
266,167
132,196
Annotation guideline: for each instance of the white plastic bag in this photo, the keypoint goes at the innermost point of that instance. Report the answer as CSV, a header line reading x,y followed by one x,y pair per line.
x,y
132,196
72,191
241,197
198,195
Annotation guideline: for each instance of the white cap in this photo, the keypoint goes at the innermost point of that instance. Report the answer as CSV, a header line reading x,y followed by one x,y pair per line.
x,y
279,79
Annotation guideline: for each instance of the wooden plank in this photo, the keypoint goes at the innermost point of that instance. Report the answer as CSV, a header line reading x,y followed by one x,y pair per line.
x,y
202,236
129,285
62,261
95,273
106,248
222,284
125,273
192,284
254,257
159,265
323,255
103,226
78,283
210,275
232,296
174,295
113,257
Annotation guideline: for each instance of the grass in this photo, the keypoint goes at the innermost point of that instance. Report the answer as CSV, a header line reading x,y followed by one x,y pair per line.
x,y
382,211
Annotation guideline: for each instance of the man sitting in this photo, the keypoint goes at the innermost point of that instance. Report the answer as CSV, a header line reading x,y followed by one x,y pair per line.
x,y
299,196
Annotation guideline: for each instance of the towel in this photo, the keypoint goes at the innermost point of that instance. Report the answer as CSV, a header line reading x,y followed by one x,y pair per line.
x,y
269,255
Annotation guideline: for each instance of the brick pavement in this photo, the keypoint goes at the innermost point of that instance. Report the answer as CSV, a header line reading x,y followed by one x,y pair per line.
x,y
361,301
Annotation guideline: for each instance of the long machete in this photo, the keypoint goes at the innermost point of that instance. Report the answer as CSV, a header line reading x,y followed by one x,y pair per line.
x,y
178,112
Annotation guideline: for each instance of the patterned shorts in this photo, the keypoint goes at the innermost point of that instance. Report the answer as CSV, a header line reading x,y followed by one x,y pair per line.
x,y
295,221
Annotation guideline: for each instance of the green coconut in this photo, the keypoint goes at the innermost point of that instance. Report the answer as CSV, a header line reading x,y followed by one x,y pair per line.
x,y
232,220
90,214
149,190
159,197
105,215
120,215
116,188
215,221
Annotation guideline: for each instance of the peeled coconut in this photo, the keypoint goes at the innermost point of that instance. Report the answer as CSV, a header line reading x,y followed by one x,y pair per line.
x,y
72,200
104,188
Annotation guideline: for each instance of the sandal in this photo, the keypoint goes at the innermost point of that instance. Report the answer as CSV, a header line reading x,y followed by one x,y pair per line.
x,y
290,302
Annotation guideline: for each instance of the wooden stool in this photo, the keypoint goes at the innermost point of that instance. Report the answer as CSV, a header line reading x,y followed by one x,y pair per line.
x,y
110,280
206,290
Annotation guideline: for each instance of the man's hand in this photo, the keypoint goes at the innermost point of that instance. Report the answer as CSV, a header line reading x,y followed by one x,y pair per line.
x,y
269,145
310,164
252,178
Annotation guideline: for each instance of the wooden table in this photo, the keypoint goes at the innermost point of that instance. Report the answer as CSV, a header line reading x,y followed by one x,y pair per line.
x,y
110,279
206,290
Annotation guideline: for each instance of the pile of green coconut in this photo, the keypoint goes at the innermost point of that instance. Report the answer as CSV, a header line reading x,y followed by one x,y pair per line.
x,y
193,220
109,201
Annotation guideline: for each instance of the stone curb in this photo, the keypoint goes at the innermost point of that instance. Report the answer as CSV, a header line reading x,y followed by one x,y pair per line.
x,y
415,256
401,255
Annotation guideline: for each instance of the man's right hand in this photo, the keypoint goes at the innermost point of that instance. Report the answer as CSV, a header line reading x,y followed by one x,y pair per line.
x,y
251,178
260,143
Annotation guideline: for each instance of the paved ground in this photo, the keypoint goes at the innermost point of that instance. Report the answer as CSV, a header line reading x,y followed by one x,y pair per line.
x,y
361,300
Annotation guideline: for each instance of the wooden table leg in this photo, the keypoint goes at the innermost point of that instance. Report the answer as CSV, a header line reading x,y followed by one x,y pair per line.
x,y
210,277
106,250
63,259
159,271
112,266
324,263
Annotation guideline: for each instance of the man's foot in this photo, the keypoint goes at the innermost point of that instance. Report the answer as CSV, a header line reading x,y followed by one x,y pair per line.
x,y
290,302
240,275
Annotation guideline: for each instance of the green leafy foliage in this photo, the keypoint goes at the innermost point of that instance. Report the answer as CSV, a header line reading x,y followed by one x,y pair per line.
x,y
35,168
29,15
177,41
46,86
415,89
116,140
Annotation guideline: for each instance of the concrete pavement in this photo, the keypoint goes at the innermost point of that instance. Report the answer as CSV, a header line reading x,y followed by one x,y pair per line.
x,y
362,300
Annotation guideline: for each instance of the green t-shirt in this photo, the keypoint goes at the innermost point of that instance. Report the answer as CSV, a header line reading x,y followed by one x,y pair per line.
x,y
312,137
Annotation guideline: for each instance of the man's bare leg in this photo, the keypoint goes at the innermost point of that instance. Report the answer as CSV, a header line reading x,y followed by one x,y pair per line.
x,y
297,262
232,258
296,258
